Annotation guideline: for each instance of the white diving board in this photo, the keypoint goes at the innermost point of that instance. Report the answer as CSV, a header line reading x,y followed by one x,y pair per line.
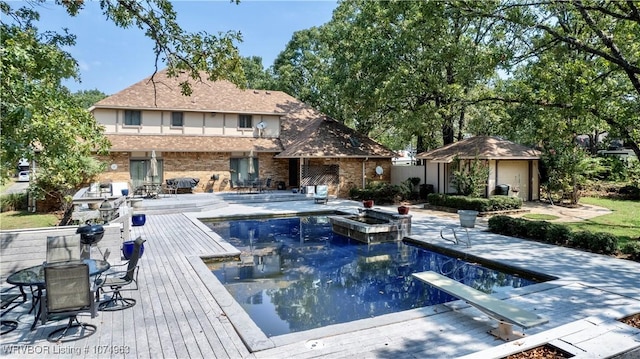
x,y
506,314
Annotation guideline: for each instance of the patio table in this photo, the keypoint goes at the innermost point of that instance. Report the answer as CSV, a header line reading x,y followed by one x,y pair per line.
x,y
34,277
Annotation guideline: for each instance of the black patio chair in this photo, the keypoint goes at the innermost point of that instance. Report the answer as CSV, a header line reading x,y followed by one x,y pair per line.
x,y
117,281
9,298
67,294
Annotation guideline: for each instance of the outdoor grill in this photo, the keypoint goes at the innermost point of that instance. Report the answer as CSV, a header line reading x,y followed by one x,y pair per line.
x,y
90,234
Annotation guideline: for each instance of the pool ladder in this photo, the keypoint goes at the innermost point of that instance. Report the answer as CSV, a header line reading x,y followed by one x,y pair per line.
x,y
455,239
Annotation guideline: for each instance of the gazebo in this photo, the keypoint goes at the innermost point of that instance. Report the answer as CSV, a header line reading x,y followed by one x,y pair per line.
x,y
513,167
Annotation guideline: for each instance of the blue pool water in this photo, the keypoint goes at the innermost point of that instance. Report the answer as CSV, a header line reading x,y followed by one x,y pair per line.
x,y
295,274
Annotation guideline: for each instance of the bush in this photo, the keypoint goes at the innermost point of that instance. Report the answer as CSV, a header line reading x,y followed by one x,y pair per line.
x,y
605,243
380,193
13,202
495,203
632,249
598,242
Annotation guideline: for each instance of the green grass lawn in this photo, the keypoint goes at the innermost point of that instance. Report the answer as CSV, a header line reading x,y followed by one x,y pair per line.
x,y
540,216
624,221
23,219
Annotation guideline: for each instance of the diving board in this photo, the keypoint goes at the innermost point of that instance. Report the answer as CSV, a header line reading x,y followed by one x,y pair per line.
x,y
506,314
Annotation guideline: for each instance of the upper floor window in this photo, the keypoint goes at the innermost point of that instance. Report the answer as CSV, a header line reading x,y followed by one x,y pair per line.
x,y
132,117
176,119
245,121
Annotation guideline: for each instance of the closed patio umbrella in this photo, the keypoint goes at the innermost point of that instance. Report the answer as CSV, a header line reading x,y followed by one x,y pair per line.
x,y
251,169
153,166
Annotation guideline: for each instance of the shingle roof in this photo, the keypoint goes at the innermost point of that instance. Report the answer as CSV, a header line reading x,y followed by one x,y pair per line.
x,y
171,143
305,132
330,138
482,147
211,96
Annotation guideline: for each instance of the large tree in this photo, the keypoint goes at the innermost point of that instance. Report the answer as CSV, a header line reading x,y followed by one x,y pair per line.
x,y
604,35
39,115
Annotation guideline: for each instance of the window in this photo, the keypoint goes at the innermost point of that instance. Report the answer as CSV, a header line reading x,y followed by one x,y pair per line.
x,y
244,121
132,118
176,119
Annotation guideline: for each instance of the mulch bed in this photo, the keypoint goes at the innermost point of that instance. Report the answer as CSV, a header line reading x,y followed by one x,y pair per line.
x,y
632,320
541,352
550,352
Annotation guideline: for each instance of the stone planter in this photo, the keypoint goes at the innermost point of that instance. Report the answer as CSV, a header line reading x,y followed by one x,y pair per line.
x,y
467,218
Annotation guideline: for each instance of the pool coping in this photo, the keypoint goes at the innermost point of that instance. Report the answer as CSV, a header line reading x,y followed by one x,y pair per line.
x,y
256,340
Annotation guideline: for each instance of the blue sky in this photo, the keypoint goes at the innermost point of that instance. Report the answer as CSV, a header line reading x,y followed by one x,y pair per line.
x,y
111,58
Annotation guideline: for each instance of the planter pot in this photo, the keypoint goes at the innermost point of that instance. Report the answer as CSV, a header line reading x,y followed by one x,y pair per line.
x,y
127,249
467,218
368,203
403,210
138,219
125,192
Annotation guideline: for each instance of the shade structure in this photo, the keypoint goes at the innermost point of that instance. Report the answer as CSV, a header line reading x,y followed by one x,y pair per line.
x,y
153,166
251,169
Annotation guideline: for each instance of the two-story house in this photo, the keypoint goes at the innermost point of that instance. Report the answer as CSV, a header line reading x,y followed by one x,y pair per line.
x,y
213,135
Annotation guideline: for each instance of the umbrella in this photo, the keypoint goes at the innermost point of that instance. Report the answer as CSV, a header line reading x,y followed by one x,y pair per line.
x,y
153,166
251,170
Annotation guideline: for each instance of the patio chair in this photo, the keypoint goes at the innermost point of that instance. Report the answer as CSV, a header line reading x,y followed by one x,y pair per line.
x,y
9,298
322,195
169,190
63,248
67,294
116,281
267,185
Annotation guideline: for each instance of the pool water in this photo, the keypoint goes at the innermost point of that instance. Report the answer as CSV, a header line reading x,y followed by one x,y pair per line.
x,y
295,274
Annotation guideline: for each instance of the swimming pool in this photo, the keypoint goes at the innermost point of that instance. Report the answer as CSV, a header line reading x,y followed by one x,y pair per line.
x,y
295,274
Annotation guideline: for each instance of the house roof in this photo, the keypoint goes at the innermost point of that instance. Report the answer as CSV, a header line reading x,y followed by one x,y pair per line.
x,y
169,143
481,147
210,96
305,132
327,137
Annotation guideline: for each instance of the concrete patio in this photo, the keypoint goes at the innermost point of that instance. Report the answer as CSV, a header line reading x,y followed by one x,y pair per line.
x,y
182,312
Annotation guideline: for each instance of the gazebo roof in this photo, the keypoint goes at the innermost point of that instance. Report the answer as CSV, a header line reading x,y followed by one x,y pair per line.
x,y
481,147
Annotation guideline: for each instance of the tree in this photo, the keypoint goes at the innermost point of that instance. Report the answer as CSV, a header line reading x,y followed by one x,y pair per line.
x,y
87,98
605,32
39,115
257,77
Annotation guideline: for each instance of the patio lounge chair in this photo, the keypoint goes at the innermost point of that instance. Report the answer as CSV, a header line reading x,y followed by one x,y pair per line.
x,y
68,293
118,280
322,195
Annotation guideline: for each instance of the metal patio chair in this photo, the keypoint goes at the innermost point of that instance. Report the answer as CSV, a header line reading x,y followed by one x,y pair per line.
x,y
322,194
117,281
63,248
67,294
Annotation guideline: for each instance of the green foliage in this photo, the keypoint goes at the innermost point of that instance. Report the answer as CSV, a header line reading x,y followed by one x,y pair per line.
x,y
380,192
257,77
87,98
632,249
494,203
13,202
554,233
470,180
597,242
567,169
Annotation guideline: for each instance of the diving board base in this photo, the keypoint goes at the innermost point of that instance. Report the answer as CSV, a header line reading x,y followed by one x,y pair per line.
x,y
505,332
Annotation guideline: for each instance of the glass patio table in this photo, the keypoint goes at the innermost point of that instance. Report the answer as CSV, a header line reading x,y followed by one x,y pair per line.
x,y
34,277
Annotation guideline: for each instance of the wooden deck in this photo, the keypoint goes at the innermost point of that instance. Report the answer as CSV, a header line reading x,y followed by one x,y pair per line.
x,y
178,315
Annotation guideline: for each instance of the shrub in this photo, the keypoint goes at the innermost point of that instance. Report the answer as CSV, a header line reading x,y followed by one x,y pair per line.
x,y
558,234
632,249
13,202
495,203
598,242
380,192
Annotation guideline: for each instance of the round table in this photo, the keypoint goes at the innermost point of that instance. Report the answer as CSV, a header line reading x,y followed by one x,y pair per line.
x,y
34,276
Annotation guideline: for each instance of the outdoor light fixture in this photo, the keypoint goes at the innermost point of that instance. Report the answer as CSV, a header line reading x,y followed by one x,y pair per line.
x,y
106,211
